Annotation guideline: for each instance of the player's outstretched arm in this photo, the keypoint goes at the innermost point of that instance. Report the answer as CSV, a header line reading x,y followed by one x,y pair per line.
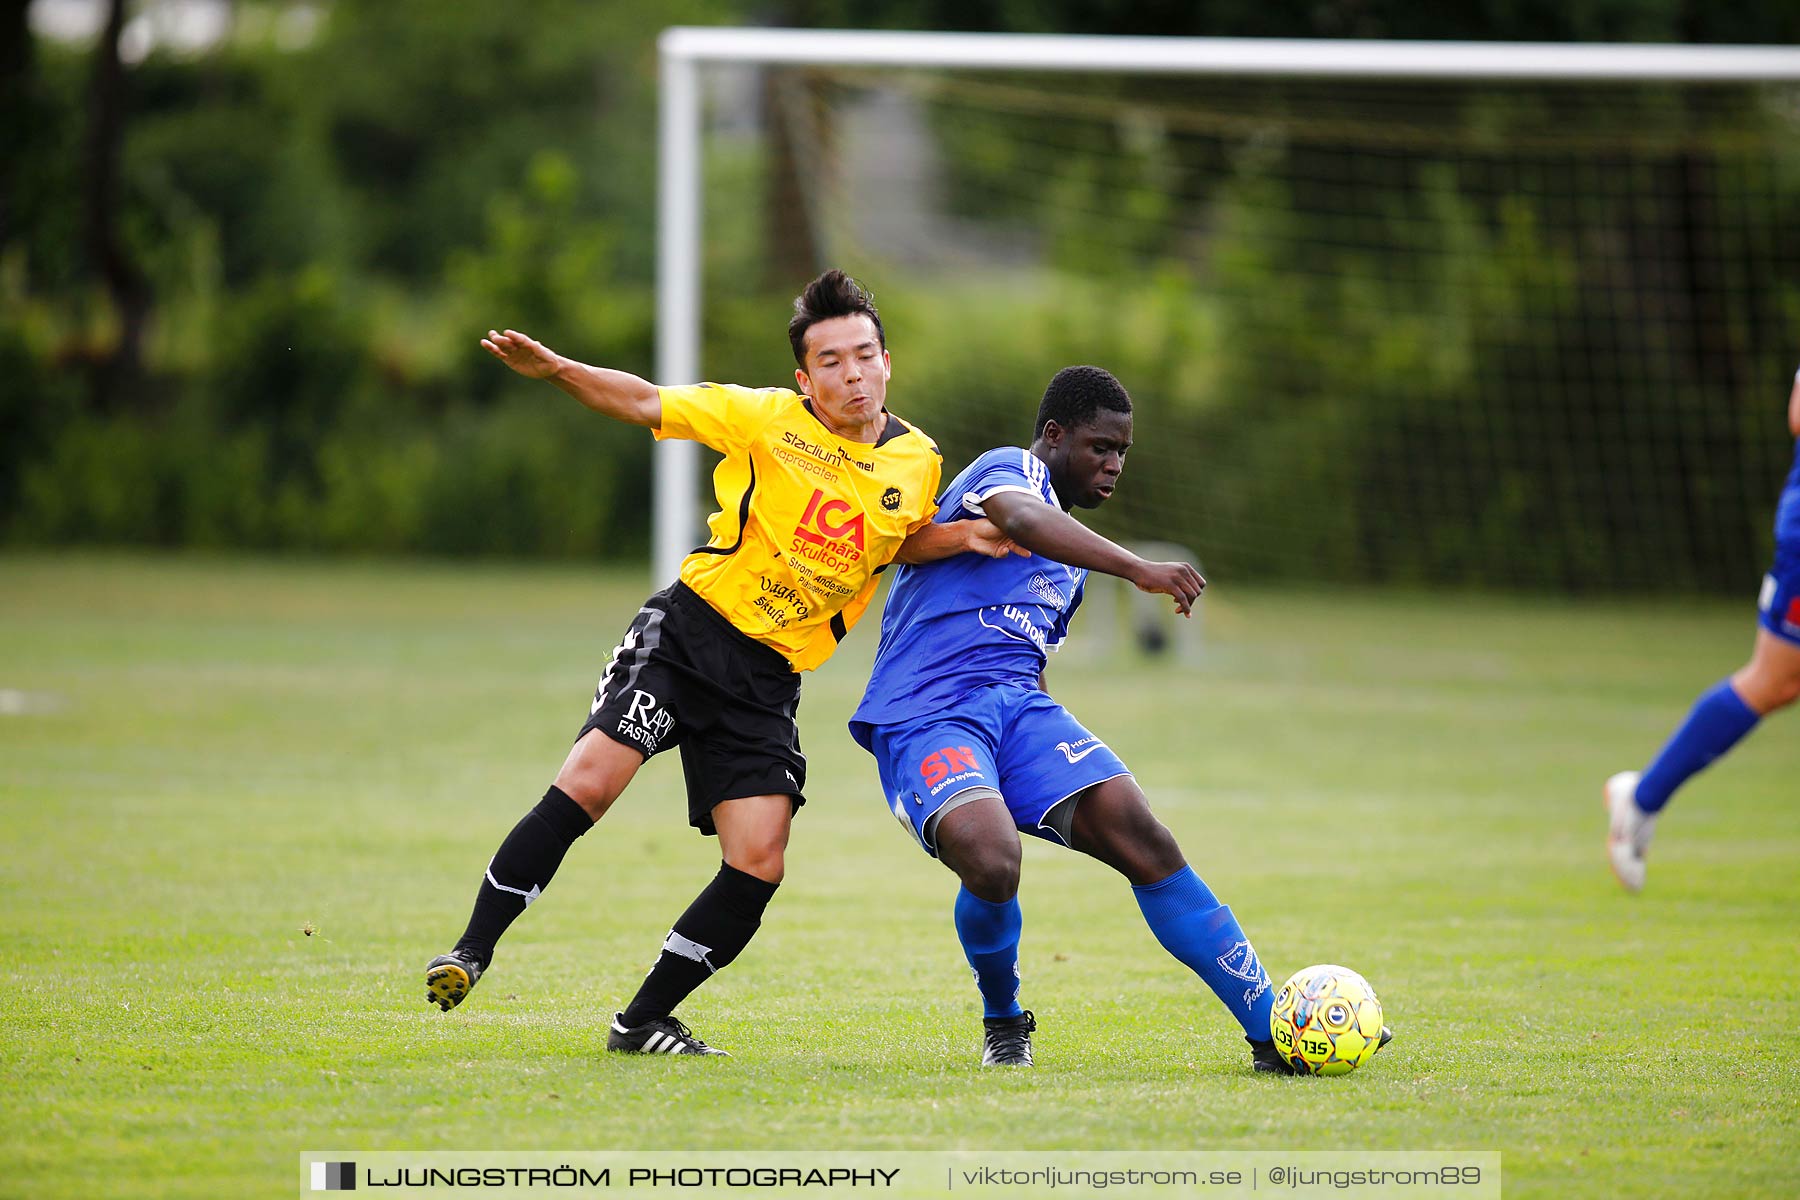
x,y
1047,530
1794,407
616,394
933,541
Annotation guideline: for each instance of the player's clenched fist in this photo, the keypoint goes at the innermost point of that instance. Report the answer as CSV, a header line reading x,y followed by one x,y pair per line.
x,y
1177,579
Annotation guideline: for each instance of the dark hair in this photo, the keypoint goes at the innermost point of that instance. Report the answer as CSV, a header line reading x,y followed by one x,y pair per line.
x,y
833,294
1076,394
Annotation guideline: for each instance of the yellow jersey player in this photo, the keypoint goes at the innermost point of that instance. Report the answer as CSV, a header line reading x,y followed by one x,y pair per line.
x,y
819,489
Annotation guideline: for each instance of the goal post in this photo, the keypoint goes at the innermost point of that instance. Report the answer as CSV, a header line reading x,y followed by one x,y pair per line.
x,y
685,51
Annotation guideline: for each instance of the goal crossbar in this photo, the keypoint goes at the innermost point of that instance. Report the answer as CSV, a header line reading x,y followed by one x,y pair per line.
x,y
1348,58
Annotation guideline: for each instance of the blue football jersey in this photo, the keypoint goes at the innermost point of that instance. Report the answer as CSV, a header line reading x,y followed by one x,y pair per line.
x,y
967,621
1787,510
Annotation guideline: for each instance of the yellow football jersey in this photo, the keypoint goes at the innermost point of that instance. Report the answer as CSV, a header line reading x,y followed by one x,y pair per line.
x,y
805,517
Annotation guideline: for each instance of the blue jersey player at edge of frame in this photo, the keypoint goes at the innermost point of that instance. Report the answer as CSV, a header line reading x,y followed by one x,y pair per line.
x,y
972,750
1726,712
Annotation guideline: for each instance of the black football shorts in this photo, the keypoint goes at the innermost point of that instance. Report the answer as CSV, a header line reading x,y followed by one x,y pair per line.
x,y
685,676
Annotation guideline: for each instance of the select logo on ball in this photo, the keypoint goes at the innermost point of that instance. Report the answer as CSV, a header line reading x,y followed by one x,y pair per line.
x,y
1326,1020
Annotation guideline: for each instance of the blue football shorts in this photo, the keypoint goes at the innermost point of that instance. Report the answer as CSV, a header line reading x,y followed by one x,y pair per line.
x,y
1005,738
1778,605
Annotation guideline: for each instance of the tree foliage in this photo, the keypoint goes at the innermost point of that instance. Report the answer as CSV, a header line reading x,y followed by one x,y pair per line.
x,y
240,292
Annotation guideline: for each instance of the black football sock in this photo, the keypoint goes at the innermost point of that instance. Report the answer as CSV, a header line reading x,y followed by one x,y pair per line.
x,y
713,931
521,869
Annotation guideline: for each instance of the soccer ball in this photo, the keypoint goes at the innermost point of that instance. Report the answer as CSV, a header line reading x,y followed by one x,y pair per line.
x,y
1326,1021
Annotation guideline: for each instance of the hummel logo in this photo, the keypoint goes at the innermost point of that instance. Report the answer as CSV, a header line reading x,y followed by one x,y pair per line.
x,y
675,943
1074,755
537,889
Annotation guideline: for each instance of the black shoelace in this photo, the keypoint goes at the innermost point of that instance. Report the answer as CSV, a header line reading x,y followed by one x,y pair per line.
x,y
1012,1041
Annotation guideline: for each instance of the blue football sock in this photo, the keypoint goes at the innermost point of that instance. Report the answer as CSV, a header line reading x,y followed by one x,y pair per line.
x,y
990,941
1192,925
1718,720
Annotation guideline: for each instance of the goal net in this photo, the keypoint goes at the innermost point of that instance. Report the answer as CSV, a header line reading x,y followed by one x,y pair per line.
x,y
1532,334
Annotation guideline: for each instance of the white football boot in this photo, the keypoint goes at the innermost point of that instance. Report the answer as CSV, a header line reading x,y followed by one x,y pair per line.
x,y
1628,830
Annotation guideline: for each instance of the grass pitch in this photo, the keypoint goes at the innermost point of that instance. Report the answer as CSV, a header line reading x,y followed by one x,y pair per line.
x,y
243,802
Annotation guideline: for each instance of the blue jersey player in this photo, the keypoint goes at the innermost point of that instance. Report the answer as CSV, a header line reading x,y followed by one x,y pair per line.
x,y
1732,707
972,750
